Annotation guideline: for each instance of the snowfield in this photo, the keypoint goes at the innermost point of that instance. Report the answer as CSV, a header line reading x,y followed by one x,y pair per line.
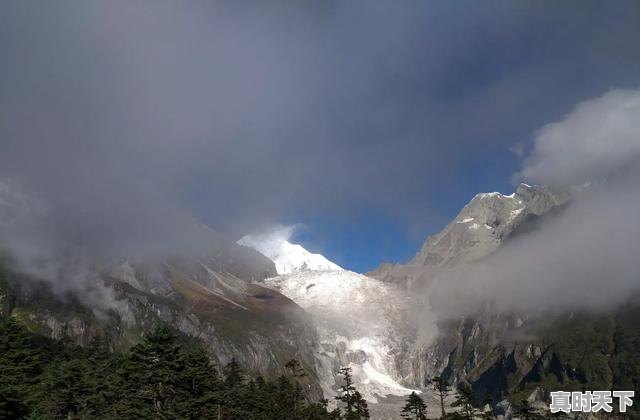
x,y
357,319
287,257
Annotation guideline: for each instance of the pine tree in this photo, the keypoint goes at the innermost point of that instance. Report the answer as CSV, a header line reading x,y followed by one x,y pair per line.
x,y
465,400
415,408
100,377
297,396
233,374
525,411
157,379
361,408
258,399
347,389
200,381
260,395
442,389
152,374
356,407
65,389
22,360
319,411
233,401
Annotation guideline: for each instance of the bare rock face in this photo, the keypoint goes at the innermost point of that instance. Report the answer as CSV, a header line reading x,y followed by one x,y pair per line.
x,y
509,354
477,231
231,299
492,351
230,316
202,284
208,295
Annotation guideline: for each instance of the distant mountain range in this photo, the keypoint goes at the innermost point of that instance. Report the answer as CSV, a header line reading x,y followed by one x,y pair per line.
x,y
266,300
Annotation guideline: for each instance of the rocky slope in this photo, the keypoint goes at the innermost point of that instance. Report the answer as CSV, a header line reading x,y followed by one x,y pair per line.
x,y
510,355
477,231
233,318
481,227
209,295
362,323
234,300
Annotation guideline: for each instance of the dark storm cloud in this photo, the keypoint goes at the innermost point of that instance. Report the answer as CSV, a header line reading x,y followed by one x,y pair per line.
x,y
244,113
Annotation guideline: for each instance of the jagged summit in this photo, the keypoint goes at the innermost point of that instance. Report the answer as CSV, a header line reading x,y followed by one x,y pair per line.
x,y
478,230
288,257
484,222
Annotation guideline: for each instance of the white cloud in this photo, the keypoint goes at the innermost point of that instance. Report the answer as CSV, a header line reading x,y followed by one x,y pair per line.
x,y
585,255
598,137
274,244
270,239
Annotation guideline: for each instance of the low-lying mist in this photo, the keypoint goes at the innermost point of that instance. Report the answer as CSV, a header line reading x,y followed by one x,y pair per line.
x,y
586,255
122,120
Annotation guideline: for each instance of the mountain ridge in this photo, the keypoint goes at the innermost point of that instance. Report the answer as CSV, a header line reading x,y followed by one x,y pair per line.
x,y
287,257
236,303
477,230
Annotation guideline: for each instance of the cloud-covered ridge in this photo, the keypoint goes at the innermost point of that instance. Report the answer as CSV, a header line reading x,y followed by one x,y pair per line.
x,y
584,255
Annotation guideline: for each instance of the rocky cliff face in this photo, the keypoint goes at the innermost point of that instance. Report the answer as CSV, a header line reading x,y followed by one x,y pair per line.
x,y
202,284
371,325
362,322
210,299
232,300
511,354
503,356
477,231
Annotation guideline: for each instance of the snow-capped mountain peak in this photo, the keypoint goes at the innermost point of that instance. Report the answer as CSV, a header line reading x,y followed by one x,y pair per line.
x,y
356,317
288,257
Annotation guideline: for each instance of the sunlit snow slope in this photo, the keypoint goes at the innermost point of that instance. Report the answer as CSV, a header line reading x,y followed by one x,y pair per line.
x,y
359,319
288,257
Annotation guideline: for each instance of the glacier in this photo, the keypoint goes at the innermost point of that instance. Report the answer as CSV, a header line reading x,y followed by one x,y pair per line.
x,y
358,318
